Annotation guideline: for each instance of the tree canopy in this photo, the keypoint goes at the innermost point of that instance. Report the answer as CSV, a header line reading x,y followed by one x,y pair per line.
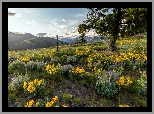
x,y
115,22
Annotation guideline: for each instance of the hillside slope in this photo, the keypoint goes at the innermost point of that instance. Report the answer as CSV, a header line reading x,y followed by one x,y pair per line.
x,y
22,42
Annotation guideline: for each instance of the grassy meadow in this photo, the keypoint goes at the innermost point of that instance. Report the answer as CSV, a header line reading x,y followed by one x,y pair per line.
x,y
79,75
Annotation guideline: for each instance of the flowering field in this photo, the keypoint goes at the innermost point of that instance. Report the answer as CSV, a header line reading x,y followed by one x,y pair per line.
x,y
79,76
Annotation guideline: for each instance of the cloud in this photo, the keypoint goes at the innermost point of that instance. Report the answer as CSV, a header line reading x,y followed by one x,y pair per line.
x,y
59,20
58,31
63,20
72,22
80,15
18,15
54,23
32,22
62,26
14,13
73,31
44,20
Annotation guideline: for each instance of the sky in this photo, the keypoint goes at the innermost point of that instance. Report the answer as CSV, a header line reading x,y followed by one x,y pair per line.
x,y
53,21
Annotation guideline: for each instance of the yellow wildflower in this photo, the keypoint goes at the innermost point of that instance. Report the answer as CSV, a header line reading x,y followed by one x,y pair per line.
x,y
39,82
124,105
65,105
35,81
47,67
48,104
25,85
37,103
56,106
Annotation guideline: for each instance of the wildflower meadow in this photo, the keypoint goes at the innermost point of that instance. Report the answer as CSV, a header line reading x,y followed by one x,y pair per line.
x,y
85,75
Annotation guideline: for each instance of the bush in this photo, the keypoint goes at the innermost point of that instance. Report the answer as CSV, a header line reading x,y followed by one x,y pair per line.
x,y
99,48
17,82
34,88
106,85
16,65
67,97
139,87
54,60
71,60
63,59
138,48
65,69
88,79
12,93
33,66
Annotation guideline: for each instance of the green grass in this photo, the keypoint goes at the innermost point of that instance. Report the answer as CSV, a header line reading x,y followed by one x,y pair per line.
x,y
72,90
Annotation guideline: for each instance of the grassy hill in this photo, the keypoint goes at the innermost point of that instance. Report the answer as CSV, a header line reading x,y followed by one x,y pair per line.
x,y
79,76
21,42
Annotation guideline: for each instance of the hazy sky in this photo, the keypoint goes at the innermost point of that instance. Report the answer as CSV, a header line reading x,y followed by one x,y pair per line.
x,y
53,21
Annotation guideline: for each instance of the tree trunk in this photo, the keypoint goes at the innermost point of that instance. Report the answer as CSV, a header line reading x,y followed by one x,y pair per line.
x,y
112,45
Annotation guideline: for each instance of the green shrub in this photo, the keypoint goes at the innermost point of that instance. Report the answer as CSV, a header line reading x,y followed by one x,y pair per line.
x,y
76,100
99,48
63,59
34,88
16,65
72,60
54,60
17,81
139,101
138,48
12,93
33,66
67,97
106,85
64,69
139,86
88,79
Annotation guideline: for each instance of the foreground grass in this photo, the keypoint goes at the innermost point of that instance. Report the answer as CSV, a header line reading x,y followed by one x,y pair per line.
x,y
76,88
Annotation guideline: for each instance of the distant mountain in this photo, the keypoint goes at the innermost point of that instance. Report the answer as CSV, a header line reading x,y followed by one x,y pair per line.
x,y
87,38
68,40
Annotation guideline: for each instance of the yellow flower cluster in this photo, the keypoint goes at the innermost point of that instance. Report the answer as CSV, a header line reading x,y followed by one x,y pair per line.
x,y
98,70
53,50
78,70
49,104
26,59
126,41
114,57
30,103
124,81
31,85
125,105
94,56
80,52
51,69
